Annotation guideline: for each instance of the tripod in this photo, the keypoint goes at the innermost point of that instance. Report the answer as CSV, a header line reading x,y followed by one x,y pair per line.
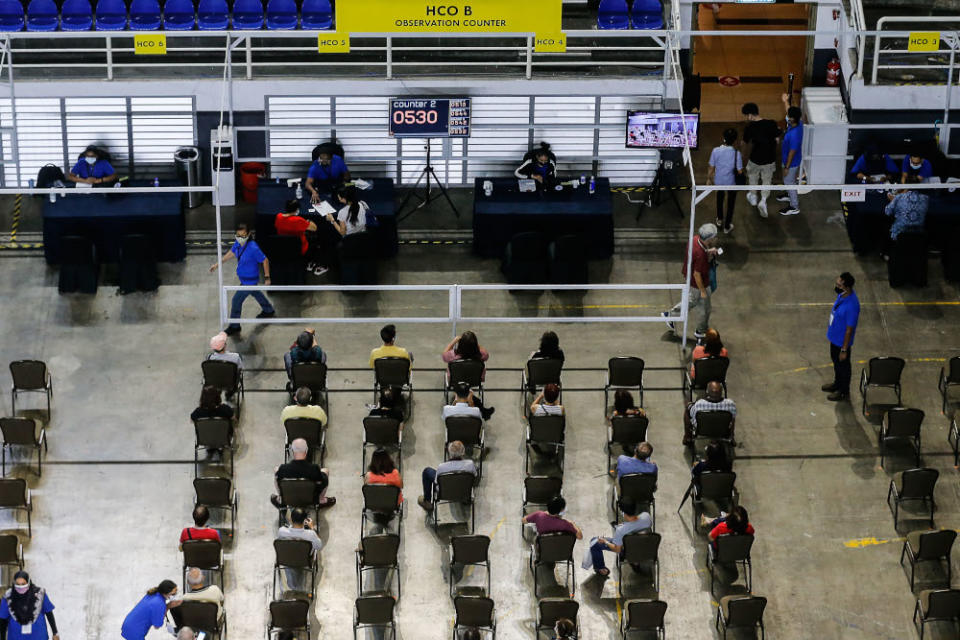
x,y
425,176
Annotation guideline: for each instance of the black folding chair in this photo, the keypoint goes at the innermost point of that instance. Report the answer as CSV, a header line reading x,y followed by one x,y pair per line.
x,y
474,612
225,376
469,431
937,605
203,616
469,371
471,550
454,487
30,376
381,432
626,432
903,424
948,379
717,488
714,425
642,489
313,376
23,432
538,491
309,429
538,373
217,493
15,495
623,372
206,555
545,432
741,612
11,551
378,553
375,612
731,549
639,548
289,615
214,434
643,616
381,503
549,549
298,492
881,372
393,372
549,610
706,370
920,546
296,555
912,484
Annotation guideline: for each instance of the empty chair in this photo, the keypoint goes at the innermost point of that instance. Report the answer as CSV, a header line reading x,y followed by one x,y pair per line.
x,y
11,15
381,432
23,432
203,616
731,549
15,495
545,433
644,616
217,493
937,605
212,434
623,372
641,488
525,259
225,376
308,429
474,612
473,551
42,15
11,551
312,375
294,555
391,372
179,15
881,372
79,270
625,432
316,15
138,262
111,16
381,502
469,371
550,610
289,615
248,14
920,546
540,372
375,612
706,370
717,489
281,14
646,14
76,15
206,555
298,492
568,260
549,549
378,553
639,548
454,487
213,15
900,423
741,612
613,14
912,484
30,376
949,378
538,491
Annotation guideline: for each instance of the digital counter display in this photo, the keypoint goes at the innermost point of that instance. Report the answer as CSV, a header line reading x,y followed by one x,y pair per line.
x,y
430,117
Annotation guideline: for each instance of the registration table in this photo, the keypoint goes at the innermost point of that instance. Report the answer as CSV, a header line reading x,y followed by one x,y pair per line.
x,y
109,214
272,196
507,212
867,224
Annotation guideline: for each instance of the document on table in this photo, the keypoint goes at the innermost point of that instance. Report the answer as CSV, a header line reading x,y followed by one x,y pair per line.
x,y
362,184
527,186
323,208
84,185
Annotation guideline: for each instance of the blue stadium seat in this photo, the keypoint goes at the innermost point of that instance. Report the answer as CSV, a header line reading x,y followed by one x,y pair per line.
x,y
179,15
248,14
11,15
316,15
111,15
145,15
281,14
42,15
76,15
647,14
213,15
613,14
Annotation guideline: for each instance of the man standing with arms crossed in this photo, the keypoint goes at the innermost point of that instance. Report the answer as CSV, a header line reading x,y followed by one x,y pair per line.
x,y
840,331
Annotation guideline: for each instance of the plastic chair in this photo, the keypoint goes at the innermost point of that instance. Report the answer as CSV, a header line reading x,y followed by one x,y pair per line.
x,y
248,14
213,15
613,14
643,615
316,14
42,15
145,15
921,546
11,15
281,15
179,15
111,15
647,14
76,15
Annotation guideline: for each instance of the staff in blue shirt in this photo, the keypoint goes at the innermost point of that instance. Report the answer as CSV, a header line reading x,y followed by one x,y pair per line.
x,y
249,258
328,173
873,166
92,168
150,611
791,156
916,165
840,331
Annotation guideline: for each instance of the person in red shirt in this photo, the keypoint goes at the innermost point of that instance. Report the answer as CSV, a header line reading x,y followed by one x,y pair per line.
x,y
200,530
704,252
290,223
736,523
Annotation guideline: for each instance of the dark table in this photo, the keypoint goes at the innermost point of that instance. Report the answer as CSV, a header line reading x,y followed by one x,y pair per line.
x,y
508,212
867,225
272,196
109,214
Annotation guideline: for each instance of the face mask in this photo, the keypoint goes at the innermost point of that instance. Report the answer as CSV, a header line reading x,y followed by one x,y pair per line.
x,y
170,598
21,588
242,240
838,290
90,160
916,167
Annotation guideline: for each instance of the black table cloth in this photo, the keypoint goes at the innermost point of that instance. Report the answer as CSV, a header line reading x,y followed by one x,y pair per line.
x,y
867,225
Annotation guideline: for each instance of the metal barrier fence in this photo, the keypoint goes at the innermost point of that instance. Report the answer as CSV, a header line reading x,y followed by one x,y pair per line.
x,y
917,60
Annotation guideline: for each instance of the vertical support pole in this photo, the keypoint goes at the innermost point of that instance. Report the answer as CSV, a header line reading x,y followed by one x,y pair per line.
x,y
453,311
529,57
109,46
14,135
945,138
229,88
248,45
389,52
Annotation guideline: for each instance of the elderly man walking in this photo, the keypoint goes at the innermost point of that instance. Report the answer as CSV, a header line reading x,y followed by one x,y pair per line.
x,y
704,252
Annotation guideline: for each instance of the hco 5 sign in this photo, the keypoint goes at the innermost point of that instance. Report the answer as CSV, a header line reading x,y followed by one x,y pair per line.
x,y
150,45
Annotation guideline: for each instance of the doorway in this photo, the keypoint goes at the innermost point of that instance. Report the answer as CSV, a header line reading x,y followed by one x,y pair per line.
x,y
738,69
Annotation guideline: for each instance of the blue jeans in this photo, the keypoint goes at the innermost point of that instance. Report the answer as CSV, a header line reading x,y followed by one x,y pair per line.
x,y
429,475
236,305
596,552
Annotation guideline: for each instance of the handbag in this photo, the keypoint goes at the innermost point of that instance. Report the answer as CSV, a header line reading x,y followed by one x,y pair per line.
x,y
739,177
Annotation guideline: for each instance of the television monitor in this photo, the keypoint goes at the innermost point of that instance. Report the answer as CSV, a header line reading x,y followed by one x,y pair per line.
x,y
647,130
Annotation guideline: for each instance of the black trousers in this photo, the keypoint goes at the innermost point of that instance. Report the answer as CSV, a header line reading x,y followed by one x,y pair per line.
x,y
731,197
841,369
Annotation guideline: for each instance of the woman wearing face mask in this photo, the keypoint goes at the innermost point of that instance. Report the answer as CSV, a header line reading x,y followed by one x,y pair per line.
x,y
92,168
150,611
23,609
539,164
352,218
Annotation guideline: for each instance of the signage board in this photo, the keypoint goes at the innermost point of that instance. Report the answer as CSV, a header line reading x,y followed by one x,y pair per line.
x,y
853,194
923,41
153,44
550,43
430,117
333,43
454,16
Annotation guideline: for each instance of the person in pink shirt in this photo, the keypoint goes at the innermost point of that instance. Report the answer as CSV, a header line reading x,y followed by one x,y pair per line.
x,y
466,347
552,519
712,346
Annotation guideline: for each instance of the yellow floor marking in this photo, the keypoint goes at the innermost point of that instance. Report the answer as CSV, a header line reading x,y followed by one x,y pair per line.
x,y
860,543
828,366
469,571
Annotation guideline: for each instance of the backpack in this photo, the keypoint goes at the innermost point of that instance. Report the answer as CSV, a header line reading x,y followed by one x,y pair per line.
x,y
48,175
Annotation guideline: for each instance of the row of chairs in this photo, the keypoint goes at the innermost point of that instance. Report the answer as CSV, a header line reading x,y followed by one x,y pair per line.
x,y
638,14
175,15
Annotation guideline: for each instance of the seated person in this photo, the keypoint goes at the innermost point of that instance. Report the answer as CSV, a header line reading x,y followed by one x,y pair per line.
x,y
218,346
466,404
92,167
304,349
300,467
908,207
303,408
639,462
382,470
564,629
623,404
874,166
552,519
916,165
712,346
199,530
466,347
301,528
200,592
352,217
289,222
538,164
547,402
549,347
456,452
327,173
390,404
211,406
633,521
712,401
737,522
389,349
714,459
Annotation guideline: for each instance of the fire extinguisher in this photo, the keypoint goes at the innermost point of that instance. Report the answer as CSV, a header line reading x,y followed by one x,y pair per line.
x,y
833,72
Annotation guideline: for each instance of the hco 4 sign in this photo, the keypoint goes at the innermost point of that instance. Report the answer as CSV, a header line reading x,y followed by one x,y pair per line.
x,y
150,45
924,41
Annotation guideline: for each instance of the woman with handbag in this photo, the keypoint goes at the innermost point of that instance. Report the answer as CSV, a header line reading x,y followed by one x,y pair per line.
x,y
726,167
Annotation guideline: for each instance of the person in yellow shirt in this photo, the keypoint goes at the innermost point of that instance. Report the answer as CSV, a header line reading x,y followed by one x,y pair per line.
x,y
303,408
389,350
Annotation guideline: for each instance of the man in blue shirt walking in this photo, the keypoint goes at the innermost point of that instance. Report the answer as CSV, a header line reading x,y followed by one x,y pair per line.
x,y
249,258
840,331
791,155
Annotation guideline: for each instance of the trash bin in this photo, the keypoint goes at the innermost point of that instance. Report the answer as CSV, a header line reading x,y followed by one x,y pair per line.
x,y
250,174
187,160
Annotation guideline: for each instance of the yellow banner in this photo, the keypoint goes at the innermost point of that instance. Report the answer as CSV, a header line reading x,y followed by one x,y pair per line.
x,y
333,43
553,43
924,41
431,16
154,44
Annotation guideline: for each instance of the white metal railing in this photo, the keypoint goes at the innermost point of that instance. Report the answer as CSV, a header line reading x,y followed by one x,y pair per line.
x,y
919,60
858,21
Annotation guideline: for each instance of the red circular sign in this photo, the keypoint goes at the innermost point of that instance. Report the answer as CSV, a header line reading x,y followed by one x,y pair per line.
x,y
728,81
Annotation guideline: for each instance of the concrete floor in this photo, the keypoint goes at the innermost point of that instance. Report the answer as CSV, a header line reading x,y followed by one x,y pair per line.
x,y
117,486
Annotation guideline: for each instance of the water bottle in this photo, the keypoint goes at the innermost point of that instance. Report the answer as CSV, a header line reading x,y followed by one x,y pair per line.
x,y
53,197
299,192
583,179
30,183
593,185
156,182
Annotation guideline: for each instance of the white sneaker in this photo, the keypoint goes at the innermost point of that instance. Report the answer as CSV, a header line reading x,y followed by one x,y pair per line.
x,y
311,266
783,198
666,318
752,198
319,271
763,209
789,211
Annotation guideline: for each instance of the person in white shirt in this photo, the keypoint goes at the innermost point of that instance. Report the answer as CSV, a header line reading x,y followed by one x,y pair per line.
x,y
352,218
463,405
203,593
301,528
547,402
218,346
